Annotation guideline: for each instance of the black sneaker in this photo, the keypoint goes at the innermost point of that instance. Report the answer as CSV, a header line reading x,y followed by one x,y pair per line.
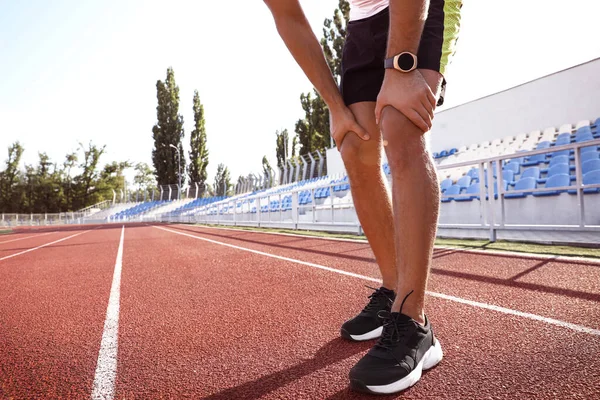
x,y
367,325
395,363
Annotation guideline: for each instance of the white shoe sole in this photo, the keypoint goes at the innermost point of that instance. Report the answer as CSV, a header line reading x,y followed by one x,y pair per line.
x,y
375,333
433,356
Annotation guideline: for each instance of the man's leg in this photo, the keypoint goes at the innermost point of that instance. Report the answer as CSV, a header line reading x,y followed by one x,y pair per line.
x,y
416,203
373,205
370,191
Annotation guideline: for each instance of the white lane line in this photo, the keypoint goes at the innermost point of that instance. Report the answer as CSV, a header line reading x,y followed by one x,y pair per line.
x,y
551,321
44,245
106,368
28,237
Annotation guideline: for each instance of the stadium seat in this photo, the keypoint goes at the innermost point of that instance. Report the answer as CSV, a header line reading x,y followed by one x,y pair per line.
x,y
592,178
443,153
558,160
473,189
561,153
557,180
590,165
508,176
561,141
584,137
558,169
522,184
446,183
454,189
533,172
590,155
464,182
588,149
512,166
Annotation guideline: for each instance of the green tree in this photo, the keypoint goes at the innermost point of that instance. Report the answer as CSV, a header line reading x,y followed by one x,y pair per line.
x,y
68,165
168,131
86,192
267,171
313,130
198,145
144,177
10,180
222,185
112,178
281,147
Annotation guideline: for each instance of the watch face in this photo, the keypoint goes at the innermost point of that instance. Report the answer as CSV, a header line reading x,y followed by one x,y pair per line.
x,y
406,61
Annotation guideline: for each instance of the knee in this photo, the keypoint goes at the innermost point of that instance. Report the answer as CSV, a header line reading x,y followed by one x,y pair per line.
x,y
403,141
361,154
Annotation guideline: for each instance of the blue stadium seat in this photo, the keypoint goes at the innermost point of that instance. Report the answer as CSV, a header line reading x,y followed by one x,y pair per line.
x,y
536,159
533,172
559,169
588,149
443,153
446,183
473,189
473,173
464,182
508,176
556,180
454,189
562,139
558,160
590,165
590,155
561,153
592,178
452,151
584,137
522,184
436,154
512,166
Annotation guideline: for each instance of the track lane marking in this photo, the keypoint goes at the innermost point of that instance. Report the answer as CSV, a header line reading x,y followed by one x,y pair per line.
x,y
44,245
106,367
504,310
28,237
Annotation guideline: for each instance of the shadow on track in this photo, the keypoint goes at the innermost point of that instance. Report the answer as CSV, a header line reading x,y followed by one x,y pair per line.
x,y
332,352
510,282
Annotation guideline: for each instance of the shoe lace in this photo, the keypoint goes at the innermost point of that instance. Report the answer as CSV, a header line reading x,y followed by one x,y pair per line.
x,y
377,299
395,327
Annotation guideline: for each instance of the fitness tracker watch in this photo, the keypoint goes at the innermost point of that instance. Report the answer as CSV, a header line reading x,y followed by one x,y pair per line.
x,y
403,62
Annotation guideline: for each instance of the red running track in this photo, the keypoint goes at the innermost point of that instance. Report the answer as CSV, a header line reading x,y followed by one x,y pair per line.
x,y
199,319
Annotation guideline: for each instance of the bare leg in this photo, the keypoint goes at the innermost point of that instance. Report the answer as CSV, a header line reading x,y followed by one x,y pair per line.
x,y
370,191
416,203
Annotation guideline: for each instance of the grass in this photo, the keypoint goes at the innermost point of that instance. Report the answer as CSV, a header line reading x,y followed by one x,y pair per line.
x,y
5,231
516,247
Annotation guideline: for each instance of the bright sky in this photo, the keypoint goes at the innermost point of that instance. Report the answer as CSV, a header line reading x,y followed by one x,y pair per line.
x,y
81,70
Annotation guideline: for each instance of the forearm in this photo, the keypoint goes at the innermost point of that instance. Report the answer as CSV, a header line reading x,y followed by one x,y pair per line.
x,y
407,18
306,50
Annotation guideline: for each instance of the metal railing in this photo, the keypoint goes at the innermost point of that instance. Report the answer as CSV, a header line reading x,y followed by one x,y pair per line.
x,y
226,212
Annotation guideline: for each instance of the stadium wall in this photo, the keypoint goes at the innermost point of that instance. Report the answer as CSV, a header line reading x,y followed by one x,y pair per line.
x,y
567,96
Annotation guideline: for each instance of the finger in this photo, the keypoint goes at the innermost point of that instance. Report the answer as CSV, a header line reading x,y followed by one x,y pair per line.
x,y
362,133
427,107
378,108
431,98
417,119
422,111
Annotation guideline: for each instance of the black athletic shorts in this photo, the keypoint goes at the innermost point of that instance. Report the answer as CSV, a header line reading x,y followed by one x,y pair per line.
x,y
366,44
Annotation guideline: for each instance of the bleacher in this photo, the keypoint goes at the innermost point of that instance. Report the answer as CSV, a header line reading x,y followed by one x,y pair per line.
x,y
136,210
552,169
